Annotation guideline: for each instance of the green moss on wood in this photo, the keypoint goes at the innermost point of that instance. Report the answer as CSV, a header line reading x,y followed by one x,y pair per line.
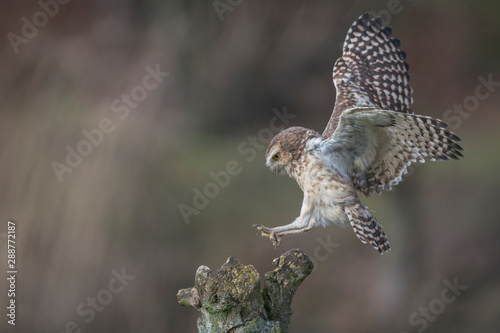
x,y
231,300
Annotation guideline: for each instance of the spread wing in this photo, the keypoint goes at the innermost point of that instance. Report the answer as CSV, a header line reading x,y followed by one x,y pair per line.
x,y
381,144
372,72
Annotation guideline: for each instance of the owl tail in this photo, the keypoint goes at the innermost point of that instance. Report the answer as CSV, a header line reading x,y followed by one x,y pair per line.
x,y
366,227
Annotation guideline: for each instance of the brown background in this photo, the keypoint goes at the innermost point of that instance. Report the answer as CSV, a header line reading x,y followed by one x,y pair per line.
x,y
120,206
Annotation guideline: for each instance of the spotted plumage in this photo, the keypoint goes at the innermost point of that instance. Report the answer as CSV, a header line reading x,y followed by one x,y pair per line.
x,y
372,71
370,140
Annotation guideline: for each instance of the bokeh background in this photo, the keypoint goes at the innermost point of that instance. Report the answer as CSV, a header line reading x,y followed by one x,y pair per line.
x,y
119,208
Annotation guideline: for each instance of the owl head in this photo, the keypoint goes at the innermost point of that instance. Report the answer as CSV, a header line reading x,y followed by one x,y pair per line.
x,y
286,148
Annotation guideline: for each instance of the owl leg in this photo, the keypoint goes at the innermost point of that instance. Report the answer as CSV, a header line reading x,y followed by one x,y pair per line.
x,y
301,224
269,233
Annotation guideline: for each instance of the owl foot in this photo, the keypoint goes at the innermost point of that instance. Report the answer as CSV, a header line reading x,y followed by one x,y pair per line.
x,y
269,233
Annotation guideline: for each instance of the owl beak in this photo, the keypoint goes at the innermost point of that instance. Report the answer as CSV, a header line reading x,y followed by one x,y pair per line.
x,y
276,168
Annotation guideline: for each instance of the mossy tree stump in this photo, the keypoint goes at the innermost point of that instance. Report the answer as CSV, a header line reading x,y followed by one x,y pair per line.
x,y
231,300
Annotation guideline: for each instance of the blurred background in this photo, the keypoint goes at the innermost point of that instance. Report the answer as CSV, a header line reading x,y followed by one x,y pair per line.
x,y
178,89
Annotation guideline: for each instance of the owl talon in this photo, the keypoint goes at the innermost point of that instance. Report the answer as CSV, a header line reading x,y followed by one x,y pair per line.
x,y
269,233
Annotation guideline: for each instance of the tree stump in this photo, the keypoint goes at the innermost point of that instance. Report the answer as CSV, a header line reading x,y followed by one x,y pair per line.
x,y
231,300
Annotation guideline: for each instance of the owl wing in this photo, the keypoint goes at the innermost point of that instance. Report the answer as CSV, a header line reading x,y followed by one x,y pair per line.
x,y
381,144
372,72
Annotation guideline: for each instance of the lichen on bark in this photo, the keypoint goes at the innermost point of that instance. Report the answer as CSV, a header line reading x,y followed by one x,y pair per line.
x,y
231,300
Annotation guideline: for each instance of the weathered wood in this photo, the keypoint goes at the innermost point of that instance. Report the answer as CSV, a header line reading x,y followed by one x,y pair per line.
x,y
231,299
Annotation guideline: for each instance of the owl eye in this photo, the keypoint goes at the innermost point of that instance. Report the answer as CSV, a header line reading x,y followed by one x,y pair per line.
x,y
276,156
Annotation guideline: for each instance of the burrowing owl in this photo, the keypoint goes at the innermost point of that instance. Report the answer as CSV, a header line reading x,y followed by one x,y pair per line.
x,y
370,140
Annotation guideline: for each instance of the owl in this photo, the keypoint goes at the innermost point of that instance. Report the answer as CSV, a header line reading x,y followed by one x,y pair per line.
x,y
370,140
